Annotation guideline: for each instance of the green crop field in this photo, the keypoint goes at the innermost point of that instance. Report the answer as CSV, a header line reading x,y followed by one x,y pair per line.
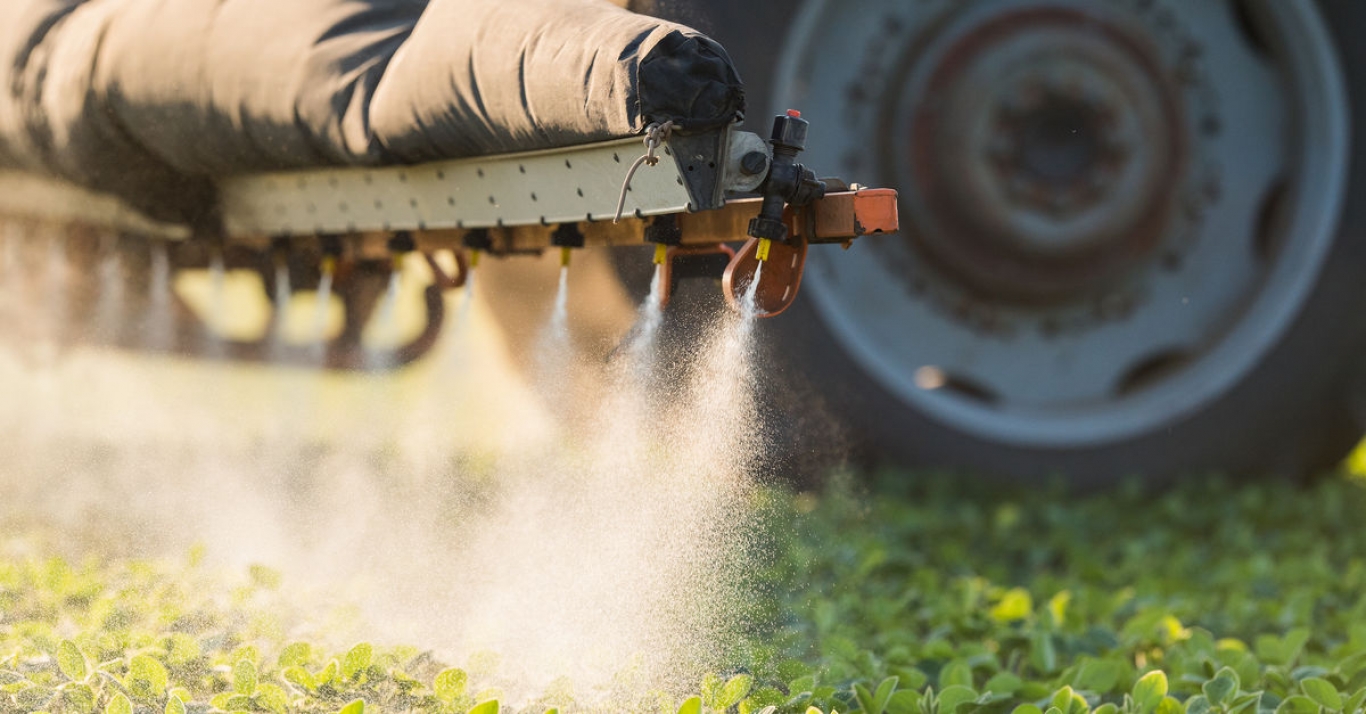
x,y
895,594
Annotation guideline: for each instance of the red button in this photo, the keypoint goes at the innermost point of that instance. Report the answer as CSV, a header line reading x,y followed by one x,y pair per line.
x,y
794,114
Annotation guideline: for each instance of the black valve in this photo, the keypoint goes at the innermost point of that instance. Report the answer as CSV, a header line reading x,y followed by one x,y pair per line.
x,y
402,242
664,230
331,245
788,182
478,239
567,235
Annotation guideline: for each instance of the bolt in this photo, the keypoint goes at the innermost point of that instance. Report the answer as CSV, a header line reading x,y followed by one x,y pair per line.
x,y
754,163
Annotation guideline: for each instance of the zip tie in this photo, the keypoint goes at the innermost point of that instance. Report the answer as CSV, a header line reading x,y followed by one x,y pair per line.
x,y
655,136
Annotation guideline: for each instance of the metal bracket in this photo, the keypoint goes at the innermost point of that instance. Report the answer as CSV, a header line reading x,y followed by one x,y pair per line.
x,y
568,185
701,162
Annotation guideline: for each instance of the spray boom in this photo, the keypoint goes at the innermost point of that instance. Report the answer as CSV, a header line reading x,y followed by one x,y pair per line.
x,y
704,191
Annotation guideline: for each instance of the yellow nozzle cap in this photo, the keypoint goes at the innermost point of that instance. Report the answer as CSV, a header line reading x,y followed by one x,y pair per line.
x,y
762,252
661,253
565,257
474,257
329,265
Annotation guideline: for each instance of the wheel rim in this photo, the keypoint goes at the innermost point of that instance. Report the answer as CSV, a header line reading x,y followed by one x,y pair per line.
x,y
1112,211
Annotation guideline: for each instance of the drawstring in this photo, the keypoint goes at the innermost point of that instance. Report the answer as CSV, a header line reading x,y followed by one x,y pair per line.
x,y
655,136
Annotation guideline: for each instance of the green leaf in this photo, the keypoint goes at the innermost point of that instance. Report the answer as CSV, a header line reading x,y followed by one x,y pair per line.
x,y
489,707
1298,704
1323,692
300,677
450,685
1016,604
355,706
244,677
120,704
357,660
1198,704
1222,688
1069,702
1245,702
883,695
181,650
905,701
954,695
1169,705
957,672
1043,653
296,654
271,698
147,678
1004,683
33,698
77,698
1282,650
327,674
864,697
1026,709
1099,675
734,690
71,661
692,706
1057,606
1354,702
174,705
1149,691
264,577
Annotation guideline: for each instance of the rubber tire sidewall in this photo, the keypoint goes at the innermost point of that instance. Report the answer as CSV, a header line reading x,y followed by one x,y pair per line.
x,y
1295,413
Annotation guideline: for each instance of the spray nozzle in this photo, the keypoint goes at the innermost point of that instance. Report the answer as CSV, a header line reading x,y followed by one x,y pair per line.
x,y
332,250
477,240
279,252
788,182
567,237
400,245
664,232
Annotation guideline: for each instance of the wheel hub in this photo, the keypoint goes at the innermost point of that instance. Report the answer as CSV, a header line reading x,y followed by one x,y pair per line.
x,y
1040,142
1248,97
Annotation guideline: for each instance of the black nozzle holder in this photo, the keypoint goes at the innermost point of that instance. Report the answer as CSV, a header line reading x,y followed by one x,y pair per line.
x,y
402,242
788,182
567,235
279,250
664,230
478,239
331,245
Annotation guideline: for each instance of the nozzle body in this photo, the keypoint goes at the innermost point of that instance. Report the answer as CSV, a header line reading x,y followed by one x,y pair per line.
x,y
788,182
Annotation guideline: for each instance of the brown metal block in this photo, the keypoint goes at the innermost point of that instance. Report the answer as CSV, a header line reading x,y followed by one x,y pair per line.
x,y
839,217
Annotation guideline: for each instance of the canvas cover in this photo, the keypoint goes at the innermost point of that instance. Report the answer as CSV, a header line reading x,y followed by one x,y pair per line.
x,y
153,99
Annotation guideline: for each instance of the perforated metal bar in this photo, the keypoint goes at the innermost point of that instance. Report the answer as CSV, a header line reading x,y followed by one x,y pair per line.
x,y
544,187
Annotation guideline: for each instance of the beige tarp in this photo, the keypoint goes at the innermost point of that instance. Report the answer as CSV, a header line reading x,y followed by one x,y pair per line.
x,y
152,99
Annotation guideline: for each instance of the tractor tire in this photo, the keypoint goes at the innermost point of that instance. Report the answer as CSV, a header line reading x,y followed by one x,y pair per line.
x,y
1134,231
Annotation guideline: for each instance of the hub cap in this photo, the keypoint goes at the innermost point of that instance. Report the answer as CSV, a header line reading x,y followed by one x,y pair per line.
x,y
1112,210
